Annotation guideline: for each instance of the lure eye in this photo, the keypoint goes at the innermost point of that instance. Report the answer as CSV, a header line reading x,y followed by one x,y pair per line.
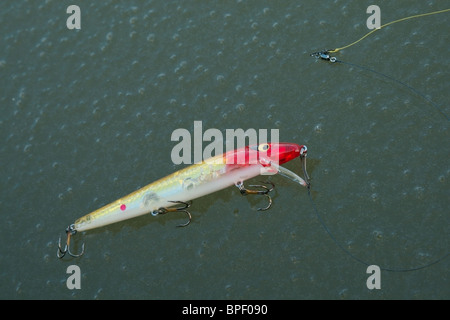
x,y
263,147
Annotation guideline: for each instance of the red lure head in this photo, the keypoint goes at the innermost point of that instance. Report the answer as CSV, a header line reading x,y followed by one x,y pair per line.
x,y
265,153
281,152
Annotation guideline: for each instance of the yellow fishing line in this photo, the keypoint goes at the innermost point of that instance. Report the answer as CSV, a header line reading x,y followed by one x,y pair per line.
x,y
388,24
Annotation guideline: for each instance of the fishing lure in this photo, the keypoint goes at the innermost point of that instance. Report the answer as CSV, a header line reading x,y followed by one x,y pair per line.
x,y
197,180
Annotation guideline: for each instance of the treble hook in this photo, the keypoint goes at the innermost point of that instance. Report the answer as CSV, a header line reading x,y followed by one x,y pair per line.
x,y
265,192
164,210
61,253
